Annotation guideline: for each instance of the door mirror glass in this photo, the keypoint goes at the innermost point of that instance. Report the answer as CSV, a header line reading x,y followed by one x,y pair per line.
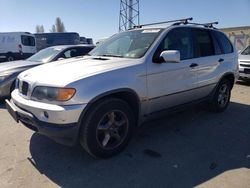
x,y
171,56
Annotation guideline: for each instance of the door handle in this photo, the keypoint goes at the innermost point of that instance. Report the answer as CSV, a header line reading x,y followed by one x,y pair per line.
x,y
221,60
193,65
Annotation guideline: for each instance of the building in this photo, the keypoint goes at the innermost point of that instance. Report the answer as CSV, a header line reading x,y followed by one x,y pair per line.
x,y
239,36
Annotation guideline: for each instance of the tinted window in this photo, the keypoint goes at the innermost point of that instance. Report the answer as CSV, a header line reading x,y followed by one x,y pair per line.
x,y
84,51
204,43
224,42
74,52
178,39
217,47
246,51
50,39
28,40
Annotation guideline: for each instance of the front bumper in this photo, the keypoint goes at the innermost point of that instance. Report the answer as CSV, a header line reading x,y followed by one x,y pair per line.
x,y
61,124
244,71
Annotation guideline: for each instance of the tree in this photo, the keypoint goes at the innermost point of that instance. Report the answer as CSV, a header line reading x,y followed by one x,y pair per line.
x,y
53,29
39,29
58,26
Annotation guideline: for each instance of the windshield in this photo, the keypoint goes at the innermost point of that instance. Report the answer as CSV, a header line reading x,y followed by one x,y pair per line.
x,y
130,44
246,51
45,55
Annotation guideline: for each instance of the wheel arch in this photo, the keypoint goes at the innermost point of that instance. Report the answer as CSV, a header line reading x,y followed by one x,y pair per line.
x,y
125,94
230,77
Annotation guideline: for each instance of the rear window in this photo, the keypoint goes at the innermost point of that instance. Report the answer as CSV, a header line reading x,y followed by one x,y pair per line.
x,y
28,40
204,43
224,42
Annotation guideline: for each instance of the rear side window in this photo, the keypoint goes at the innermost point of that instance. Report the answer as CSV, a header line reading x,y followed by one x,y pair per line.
x,y
84,51
28,40
177,39
204,43
224,42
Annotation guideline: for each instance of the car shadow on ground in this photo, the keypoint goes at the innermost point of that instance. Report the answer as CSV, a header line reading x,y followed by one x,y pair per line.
x,y
181,150
243,83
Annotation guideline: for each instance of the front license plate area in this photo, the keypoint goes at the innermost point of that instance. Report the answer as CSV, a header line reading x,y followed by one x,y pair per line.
x,y
12,111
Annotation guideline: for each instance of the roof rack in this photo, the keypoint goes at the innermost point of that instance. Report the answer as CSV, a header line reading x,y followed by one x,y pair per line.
x,y
207,25
179,21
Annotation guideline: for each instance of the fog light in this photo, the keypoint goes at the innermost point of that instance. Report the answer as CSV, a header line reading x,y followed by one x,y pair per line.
x,y
46,114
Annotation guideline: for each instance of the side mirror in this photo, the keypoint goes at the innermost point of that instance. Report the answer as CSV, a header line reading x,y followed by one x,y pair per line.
x,y
171,56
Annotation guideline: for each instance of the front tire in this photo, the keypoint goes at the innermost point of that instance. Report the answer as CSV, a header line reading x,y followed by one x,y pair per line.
x,y
107,128
10,57
221,97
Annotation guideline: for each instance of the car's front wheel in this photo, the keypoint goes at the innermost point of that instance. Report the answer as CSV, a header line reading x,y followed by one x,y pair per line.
x,y
221,97
107,128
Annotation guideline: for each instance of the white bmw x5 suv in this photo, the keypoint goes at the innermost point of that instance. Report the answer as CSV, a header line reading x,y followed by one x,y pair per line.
x,y
99,99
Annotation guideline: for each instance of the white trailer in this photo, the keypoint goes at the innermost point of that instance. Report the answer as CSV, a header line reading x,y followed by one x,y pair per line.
x,y
17,45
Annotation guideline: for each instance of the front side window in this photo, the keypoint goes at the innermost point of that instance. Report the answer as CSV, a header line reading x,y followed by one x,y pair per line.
x,y
204,43
177,39
246,51
74,52
28,40
130,44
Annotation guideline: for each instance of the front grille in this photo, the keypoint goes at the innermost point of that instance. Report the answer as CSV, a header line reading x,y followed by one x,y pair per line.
x,y
244,61
23,87
245,65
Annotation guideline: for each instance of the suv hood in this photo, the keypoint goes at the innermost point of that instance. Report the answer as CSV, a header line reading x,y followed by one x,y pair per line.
x,y
64,72
10,66
244,58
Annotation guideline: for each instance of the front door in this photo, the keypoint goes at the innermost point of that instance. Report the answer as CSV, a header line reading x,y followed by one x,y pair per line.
x,y
169,83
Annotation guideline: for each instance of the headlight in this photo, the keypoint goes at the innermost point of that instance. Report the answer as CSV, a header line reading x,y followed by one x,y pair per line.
x,y
53,93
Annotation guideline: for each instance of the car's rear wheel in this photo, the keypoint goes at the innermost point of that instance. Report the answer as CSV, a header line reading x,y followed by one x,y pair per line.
x,y
221,97
107,128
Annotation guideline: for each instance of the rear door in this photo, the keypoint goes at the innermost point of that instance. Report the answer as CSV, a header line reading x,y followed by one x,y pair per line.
x,y
208,58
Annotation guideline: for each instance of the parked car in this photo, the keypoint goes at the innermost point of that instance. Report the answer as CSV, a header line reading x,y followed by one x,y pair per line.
x,y
84,40
45,40
99,99
244,64
17,45
10,70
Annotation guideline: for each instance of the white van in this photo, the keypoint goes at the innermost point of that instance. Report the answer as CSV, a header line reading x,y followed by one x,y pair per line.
x,y
17,45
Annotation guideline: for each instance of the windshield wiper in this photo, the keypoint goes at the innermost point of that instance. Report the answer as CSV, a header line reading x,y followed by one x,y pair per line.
x,y
110,55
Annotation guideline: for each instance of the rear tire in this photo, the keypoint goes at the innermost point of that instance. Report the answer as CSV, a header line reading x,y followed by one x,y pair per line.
x,y
107,128
221,97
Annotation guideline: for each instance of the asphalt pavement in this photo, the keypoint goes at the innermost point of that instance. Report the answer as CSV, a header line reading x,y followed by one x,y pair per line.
x,y
187,149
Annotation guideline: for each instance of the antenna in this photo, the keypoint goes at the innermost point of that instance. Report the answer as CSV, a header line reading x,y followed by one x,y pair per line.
x,y
129,14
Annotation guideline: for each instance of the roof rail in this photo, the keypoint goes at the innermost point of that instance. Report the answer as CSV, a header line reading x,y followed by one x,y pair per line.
x,y
207,25
181,21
